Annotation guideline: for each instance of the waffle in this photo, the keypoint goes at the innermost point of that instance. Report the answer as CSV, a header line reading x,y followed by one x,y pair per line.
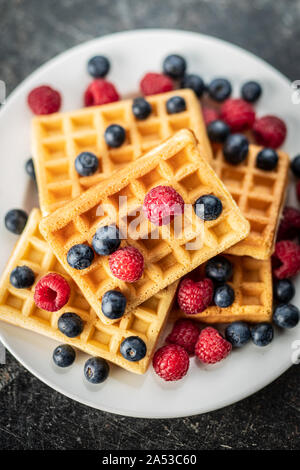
x,y
17,306
260,195
177,163
252,284
58,138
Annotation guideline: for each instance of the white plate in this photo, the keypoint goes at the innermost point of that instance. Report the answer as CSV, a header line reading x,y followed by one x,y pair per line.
x,y
132,54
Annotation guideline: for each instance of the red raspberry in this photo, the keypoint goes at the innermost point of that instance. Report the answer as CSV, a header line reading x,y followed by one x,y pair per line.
x,y
184,333
238,114
52,292
286,259
298,190
127,264
210,114
211,347
154,83
161,204
194,297
171,362
270,131
100,92
289,225
44,100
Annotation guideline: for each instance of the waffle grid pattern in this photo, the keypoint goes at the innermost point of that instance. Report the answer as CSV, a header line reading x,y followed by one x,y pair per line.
x,y
259,194
57,140
17,306
252,284
176,163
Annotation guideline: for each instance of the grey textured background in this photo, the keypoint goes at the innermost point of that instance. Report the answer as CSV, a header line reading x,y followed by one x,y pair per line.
x,y
32,416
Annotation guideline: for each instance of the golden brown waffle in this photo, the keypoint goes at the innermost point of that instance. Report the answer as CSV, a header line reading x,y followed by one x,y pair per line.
x,y
57,139
17,306
259,194
252,284
176,163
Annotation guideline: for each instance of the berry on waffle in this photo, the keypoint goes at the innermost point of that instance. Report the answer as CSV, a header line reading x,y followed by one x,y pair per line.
x,y
177,163
58,139
260,196
252,284
17,306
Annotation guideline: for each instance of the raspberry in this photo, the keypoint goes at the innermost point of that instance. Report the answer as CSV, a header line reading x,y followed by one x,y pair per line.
x,y
184,333
154,83
52,292
171,362
44,100
286,259
161,204
194,297
298,190
211,347
100,92
238,114
289,225
270,131
209,114
127,264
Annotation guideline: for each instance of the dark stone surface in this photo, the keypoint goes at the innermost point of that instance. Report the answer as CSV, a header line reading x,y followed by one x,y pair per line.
x,y
32,416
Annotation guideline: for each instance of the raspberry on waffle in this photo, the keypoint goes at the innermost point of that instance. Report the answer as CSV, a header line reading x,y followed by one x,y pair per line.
x,y
58,139
177,163
260,196
252,285
17,306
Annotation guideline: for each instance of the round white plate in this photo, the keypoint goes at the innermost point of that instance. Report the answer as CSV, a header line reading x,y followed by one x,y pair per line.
x,y
132,54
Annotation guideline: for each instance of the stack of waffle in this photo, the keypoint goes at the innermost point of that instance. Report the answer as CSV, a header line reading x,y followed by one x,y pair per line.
x,y
164,149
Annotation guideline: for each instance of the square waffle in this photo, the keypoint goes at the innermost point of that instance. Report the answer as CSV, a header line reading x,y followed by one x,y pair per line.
x,y
177,163
252,284
18,308
259,194
57,139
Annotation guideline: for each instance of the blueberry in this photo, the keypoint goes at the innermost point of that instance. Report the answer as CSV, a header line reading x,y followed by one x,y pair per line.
x,y
115,135
64,355
22,277
238,333
15,221
96,370
284,290
251,91
70,324
208,207
86,163
219,89
218,131
295,166
113,304
141,108
174,65
106,240
286,316
133,348
219,269
224,296
267,159
262,334
195,83
29,168
176,104
235,148
98,66
80,256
